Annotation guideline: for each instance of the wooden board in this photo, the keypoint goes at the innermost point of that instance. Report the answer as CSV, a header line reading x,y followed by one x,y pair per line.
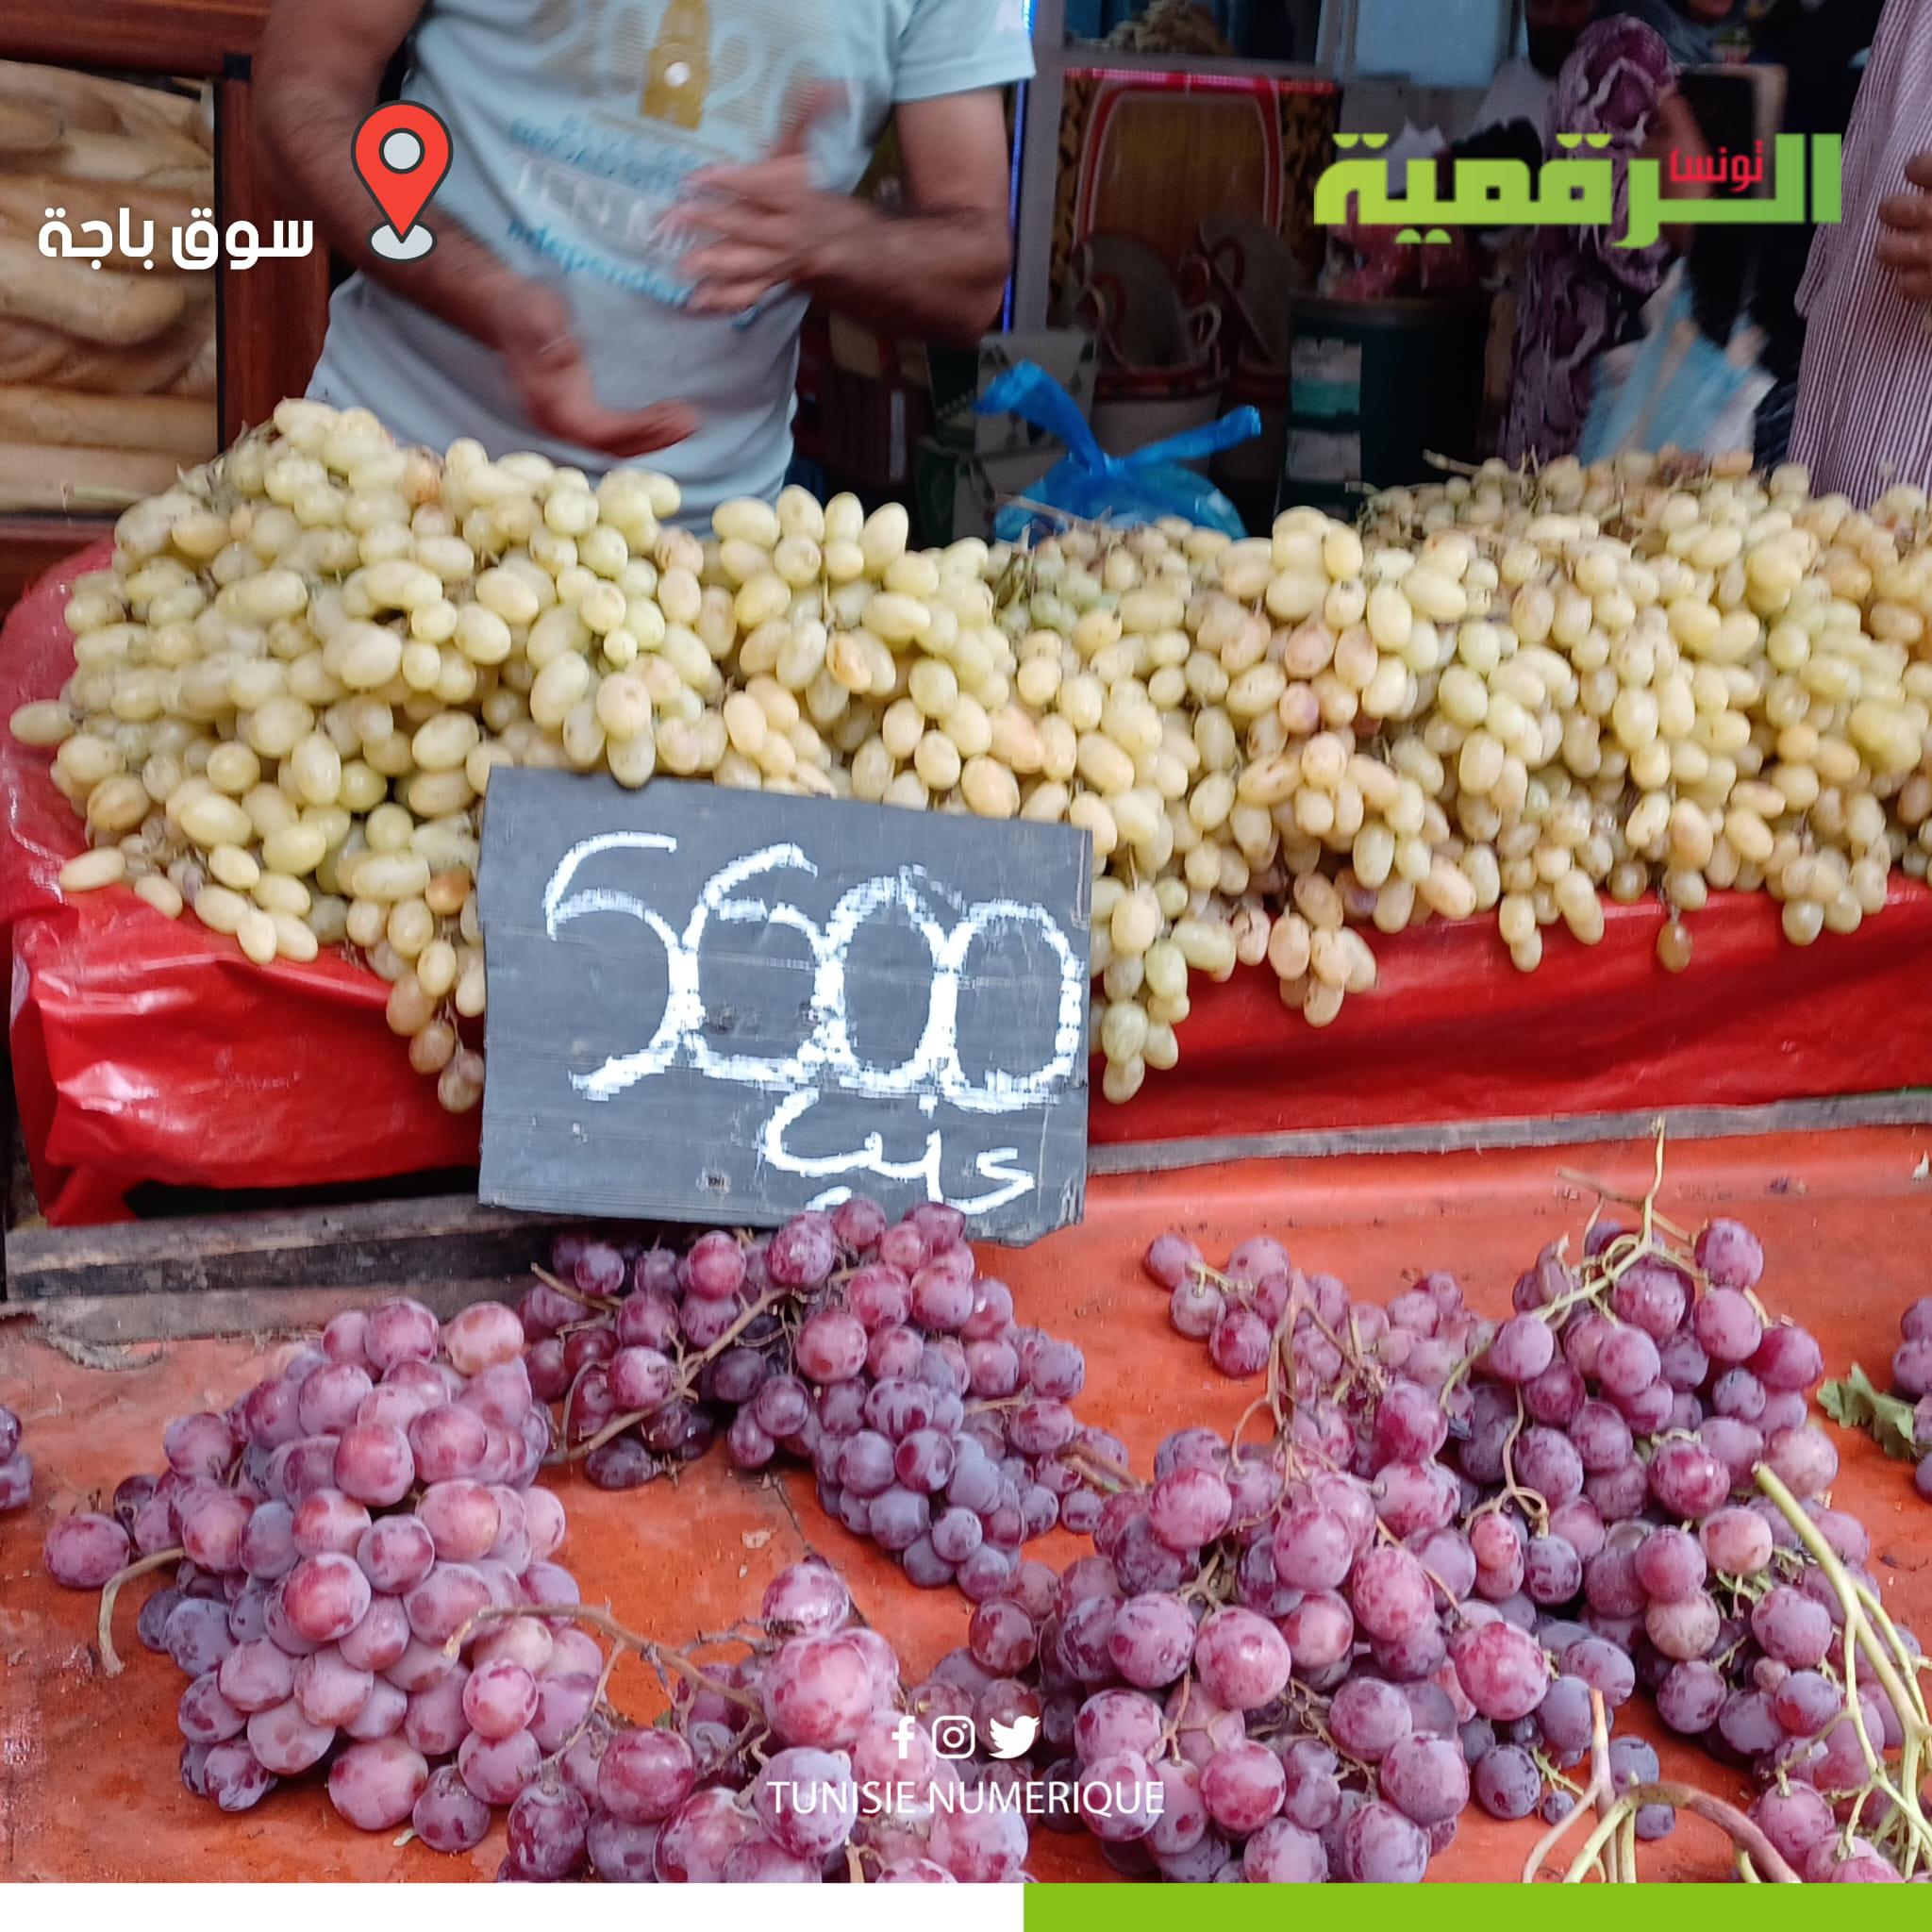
x,y
407,1243
91,1321
283,1271
1912,1108
724,1007
156,36
272,316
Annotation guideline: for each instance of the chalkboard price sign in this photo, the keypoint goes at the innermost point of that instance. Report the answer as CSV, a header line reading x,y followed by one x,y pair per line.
x,y
721,1007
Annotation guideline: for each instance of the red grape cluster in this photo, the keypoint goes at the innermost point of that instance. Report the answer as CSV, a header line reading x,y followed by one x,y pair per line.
x,y
1911,1378
1619,1423
1215,1721
936,1426
16,1466
333,1534
1324,1647
431,1658
1235,1309
791,1764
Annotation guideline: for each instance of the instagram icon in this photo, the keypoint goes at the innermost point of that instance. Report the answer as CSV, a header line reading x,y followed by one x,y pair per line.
x,y
953,1737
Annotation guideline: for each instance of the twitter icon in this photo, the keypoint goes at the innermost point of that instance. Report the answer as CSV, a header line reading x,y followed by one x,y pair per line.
x,y
1014,1740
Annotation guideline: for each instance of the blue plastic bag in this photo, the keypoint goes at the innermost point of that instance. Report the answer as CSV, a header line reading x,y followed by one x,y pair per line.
x,y
1098,488
1675,385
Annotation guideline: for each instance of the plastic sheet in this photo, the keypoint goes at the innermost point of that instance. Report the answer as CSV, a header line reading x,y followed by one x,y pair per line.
x,y
150,1050
1142,488
146,1049
1453,1032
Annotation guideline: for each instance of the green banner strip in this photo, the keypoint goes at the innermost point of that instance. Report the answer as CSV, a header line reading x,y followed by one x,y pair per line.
x,y
1122,1908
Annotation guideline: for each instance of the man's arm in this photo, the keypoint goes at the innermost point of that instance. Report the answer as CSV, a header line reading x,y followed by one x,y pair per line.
x,y
317,74
937,270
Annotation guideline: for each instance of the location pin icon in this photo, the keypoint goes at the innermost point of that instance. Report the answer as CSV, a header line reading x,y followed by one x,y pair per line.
x,y
401,155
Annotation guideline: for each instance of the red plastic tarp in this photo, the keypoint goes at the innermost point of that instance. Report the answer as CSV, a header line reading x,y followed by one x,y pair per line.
x,y
151,1051
146,1049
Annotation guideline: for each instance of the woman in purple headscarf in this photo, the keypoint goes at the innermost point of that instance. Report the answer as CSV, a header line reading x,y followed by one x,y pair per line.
x,y
1582,293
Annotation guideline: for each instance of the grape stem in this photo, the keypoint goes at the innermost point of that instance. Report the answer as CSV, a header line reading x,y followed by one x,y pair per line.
x,y
1616,1813
1593,1793
1907,1662
1074,1454
1533,1505
653,1653
1617,1868
1860,1635
110,1661
590,1716
604,1304
1170,1727
1745,1835
687,1377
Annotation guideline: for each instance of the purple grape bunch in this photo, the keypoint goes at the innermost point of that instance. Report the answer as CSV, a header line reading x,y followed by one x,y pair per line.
x,y
341,1539
16,1466
1176,1660
794,1763
938,1426
1237,1310
1464,1529
362,1587
1911,1379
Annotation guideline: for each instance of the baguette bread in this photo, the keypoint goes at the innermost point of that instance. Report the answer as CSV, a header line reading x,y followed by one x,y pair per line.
x,y
42,476
179,362
178,426
98,306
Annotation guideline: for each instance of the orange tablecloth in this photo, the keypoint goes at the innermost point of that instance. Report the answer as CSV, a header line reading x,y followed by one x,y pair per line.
x,y
89,1788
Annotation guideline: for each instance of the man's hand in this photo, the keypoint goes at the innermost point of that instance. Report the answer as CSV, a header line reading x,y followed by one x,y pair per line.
x,y
532,331
1904,245
767,223
316,75
936,269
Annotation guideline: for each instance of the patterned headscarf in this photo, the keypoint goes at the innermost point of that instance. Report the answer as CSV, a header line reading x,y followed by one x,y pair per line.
x,y
1582,293
1612,84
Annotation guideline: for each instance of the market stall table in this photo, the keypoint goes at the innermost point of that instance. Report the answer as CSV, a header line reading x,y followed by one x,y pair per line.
x,y
90,1790
146,1050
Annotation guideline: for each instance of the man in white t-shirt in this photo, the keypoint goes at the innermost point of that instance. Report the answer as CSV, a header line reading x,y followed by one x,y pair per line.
x,y
1524,87
643,197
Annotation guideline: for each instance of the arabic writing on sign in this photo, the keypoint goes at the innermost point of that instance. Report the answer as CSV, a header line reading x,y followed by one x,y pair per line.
x,y
199,245
827,1060
1582,193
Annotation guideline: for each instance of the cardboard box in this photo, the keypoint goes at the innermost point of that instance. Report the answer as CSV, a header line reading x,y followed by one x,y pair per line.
x,y
962,376
959,492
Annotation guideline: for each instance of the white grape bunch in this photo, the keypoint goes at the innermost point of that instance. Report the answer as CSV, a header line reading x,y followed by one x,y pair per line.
x,y
1508,694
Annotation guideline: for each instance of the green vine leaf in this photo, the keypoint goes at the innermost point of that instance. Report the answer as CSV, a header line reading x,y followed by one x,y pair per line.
x,y
1855,1404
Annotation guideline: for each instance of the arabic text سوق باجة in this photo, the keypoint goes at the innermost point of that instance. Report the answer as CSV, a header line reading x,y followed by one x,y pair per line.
x,y
195,247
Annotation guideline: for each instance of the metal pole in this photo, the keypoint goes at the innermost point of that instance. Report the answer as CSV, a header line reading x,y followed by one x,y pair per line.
x,y
1040,138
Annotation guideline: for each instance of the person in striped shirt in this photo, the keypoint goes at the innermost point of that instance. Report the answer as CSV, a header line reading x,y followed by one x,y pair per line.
x,y
1864,421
